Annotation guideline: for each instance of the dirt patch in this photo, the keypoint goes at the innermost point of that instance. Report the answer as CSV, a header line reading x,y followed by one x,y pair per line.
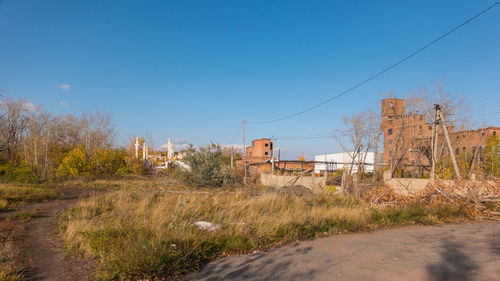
x,y
40,254
296,190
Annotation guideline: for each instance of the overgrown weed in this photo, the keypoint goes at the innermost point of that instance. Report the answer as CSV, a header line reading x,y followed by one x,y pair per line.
x,y
19,195
137,234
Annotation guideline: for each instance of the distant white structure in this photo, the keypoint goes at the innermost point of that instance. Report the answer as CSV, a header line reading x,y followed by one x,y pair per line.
x,y
170,147
343,160
144,150
136,147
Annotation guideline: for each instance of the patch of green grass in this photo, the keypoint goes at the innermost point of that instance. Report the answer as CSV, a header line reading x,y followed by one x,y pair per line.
x,y
14,195
22,216
136,234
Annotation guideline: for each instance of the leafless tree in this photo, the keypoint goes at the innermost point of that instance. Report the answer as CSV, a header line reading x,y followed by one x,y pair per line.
x,y
98,131
13,121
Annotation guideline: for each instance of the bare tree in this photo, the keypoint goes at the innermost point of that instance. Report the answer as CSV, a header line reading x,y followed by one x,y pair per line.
x,y
410,141
360,135
13,121
98,131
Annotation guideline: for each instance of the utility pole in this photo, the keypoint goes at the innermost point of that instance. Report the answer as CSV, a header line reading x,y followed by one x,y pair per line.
x,y
434,145
232,158
448,142
244,151
272,155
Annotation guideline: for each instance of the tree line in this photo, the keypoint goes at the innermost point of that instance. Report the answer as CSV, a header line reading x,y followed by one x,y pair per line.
x,y
36,145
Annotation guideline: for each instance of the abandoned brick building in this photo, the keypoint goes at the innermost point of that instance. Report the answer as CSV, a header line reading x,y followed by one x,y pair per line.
x,y
260,154
407,138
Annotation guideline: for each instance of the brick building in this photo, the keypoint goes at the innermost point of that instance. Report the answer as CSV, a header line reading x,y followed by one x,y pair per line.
x,y
407,138
261,150
260,154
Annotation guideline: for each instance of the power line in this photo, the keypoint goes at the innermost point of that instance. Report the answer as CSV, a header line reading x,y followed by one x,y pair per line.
x,y
380,72
235,135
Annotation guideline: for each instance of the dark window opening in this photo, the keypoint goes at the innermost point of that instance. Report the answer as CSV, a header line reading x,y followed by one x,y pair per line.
x,y
266,145
457,150
265,153
389,132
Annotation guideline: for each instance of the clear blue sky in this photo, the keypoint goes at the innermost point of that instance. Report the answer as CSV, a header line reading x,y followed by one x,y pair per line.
x,y
192,69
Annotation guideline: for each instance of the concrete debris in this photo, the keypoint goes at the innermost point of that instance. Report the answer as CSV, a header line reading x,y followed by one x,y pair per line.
x,y
205,225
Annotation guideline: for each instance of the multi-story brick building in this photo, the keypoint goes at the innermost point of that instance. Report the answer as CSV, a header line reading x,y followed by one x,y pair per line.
x,y
407,138
261,149
260,154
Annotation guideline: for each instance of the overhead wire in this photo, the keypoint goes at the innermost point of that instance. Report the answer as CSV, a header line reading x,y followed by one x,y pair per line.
x,y
374,76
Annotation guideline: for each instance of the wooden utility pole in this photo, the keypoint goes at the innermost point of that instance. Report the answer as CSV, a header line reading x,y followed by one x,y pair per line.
x,y
272,155
232,158
244,151
434,146
448,142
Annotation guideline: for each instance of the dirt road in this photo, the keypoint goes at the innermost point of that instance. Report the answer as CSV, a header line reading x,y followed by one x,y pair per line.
x,y
443,252
42,251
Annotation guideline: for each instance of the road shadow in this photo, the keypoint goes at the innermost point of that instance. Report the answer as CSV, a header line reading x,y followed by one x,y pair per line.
x,y
454,265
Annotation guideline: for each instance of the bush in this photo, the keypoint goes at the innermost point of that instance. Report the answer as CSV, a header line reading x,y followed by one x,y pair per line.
x,y
102,163
23,173
207,168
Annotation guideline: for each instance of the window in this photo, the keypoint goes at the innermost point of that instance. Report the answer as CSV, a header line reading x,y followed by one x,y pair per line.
x,y
389,141
430,127
265,153
457,150
389,132
495,133
392,105
266,145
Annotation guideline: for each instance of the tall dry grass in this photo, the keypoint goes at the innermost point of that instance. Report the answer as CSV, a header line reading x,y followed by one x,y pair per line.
x,y
18,195
138,234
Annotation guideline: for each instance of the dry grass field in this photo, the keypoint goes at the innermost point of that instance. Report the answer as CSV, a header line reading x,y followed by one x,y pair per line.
x,y
149,232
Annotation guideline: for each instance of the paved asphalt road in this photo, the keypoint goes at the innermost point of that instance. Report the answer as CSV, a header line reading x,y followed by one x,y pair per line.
x,y
442,252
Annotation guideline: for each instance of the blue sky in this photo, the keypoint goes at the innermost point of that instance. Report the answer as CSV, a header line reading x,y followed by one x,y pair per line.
x,y
190,70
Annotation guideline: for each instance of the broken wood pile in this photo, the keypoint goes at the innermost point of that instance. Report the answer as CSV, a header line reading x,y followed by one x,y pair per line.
x,y
479,198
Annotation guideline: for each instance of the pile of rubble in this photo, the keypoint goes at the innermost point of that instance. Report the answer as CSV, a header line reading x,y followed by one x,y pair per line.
x,y
481,198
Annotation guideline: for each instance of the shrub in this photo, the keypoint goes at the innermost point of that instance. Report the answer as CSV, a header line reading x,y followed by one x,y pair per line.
x,y
101,163
74,164
207,168
23,172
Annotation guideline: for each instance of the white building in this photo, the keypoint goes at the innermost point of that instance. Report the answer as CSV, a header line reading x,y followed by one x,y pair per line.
x,y
343,160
